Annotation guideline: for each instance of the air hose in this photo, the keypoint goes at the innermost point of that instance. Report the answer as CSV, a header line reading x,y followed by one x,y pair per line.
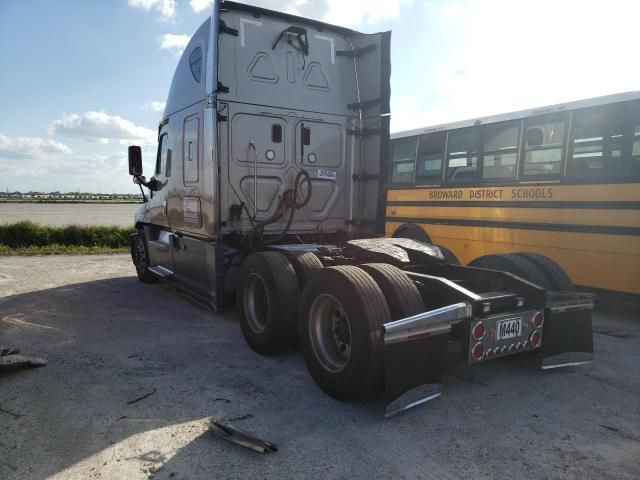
x,y
289,202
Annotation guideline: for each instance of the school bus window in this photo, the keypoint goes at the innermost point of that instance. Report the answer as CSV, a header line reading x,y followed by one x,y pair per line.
x,y
634,161
430,157
403,160
597,142
543,143
500,153
462,154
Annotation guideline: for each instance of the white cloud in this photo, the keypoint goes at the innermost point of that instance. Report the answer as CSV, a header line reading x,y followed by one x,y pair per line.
x,y
156,106
100,127
348,13
174,43
496,63
200,5
97,172
166,8
357,12
30,147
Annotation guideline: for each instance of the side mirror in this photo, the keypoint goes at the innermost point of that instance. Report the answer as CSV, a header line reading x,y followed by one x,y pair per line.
x,y
135,161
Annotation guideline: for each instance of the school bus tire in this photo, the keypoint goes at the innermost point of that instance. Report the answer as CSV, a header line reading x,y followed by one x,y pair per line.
x,y
514,264
449,256
400,292
267,299
554,273
412,232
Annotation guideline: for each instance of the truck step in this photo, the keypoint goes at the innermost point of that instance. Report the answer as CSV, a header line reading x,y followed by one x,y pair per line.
x,y
161,271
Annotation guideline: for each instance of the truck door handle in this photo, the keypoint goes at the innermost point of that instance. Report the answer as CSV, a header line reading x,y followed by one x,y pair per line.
x,y
164,208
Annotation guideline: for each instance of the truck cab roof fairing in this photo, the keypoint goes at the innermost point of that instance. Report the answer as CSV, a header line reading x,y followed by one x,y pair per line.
x,y
185,89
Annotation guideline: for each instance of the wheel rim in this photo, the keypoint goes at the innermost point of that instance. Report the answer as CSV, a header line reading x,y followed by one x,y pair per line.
x,y
330,333
141,255
256,302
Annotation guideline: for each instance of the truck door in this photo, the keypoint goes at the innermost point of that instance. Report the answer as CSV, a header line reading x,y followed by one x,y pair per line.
x,y
157,232
320,151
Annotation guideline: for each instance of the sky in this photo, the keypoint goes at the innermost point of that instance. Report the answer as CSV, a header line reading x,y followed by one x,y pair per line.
x,y
80,80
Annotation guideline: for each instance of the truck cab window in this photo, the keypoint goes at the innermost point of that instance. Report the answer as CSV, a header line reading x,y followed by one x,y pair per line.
x,y
596,142
162,165
430,157
500,152
403,160
543,145
195,62
462,154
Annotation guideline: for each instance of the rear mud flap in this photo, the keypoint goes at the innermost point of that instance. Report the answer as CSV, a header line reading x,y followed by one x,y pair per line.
x,y
415,351
568,338
413,372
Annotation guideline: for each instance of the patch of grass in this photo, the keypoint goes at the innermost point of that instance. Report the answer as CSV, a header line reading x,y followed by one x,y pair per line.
x,y
31,238
56,249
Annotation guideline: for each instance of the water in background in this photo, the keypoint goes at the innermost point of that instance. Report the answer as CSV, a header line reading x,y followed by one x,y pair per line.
x,y
58,214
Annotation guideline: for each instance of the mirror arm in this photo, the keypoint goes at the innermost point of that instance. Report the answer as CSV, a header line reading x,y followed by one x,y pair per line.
x,y
144,197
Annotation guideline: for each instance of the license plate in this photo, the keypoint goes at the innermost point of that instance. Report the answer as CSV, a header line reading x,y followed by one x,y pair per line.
x,y
508,328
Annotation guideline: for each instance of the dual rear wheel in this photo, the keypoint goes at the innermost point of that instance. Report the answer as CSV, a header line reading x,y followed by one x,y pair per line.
x,y
337,313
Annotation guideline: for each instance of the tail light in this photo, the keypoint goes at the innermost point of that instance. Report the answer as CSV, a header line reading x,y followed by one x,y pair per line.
x,y
478,331
538,320
535,339
478,351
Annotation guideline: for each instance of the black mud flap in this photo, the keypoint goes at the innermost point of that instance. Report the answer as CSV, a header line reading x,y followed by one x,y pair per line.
x,y
413,372
568,338
415,351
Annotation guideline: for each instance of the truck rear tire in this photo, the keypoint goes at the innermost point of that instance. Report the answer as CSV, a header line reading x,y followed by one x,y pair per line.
x,y
412,232
554,273
342,313
305,264
514,264
140,258
401,294
267,299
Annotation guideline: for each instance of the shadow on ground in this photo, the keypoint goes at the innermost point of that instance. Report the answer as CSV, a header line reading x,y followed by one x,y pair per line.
x,y
110,342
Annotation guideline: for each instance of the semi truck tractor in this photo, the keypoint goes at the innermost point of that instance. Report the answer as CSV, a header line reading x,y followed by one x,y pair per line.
x,y
269,184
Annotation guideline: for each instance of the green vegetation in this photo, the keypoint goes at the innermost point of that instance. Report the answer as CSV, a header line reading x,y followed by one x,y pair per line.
x,y
31,238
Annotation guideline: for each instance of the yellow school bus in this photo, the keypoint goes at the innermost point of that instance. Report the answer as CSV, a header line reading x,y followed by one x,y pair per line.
x,y
562,181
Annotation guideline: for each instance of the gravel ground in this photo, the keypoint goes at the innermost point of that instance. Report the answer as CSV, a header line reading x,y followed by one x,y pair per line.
x,y
110,339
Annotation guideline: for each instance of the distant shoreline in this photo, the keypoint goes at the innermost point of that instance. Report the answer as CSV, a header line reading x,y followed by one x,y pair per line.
x,y
4,200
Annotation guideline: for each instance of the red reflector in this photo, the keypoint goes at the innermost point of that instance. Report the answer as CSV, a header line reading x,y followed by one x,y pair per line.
x,y
478,351
478,331
538,320
535,339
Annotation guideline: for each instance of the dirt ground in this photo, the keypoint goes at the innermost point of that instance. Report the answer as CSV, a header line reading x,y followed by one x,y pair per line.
x,y
110,340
